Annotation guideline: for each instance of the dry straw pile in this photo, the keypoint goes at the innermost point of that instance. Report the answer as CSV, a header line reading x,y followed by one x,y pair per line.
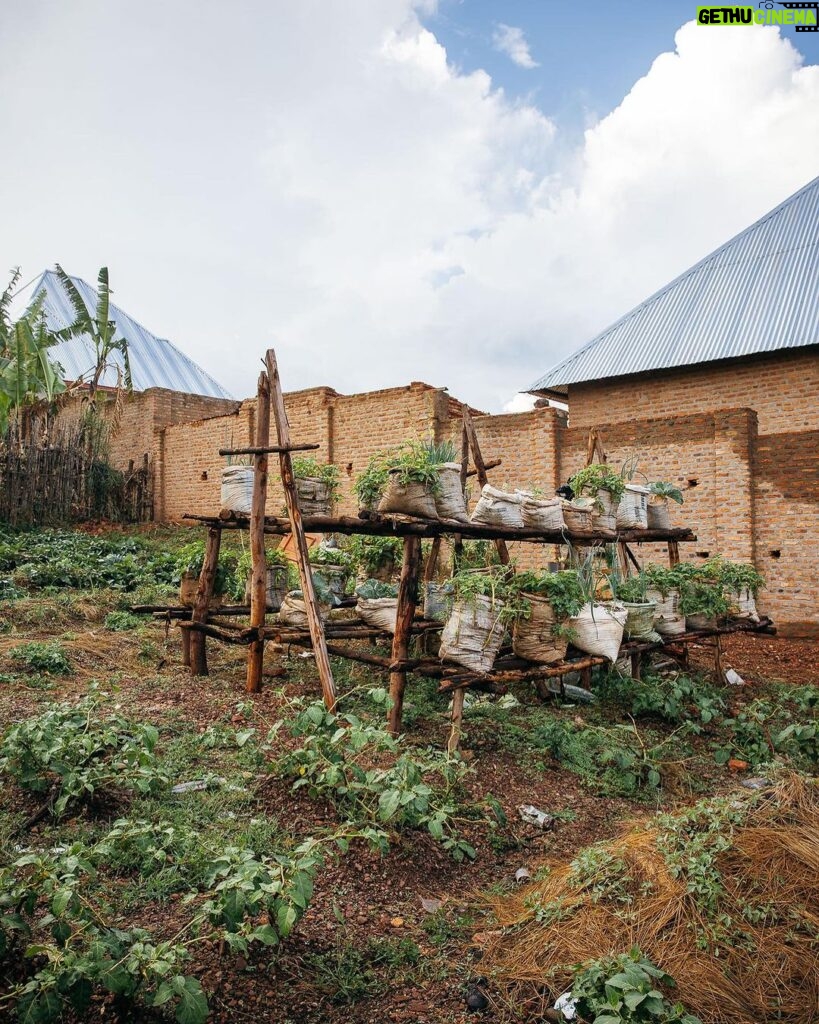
x,y
724,897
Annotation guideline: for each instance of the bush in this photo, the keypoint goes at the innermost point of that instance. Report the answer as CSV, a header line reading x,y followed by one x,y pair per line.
x,y
73,753
43,657
123,622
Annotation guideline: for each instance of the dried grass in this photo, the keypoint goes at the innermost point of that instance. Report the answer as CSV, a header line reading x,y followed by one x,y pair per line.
x,y
747,973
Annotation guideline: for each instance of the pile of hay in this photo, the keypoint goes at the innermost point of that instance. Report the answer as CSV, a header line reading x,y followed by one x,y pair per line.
x,y
724,897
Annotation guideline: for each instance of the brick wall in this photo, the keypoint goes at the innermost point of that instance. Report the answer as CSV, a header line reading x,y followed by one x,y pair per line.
x,y
781,387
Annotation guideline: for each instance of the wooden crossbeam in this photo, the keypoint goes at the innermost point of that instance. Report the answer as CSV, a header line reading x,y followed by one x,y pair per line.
x,y
267,449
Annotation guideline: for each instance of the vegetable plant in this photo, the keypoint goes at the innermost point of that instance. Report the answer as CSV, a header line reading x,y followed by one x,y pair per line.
x,y
562,589
43,657
309,468
598,477
373,554
662,491
374,589
703,598
191,557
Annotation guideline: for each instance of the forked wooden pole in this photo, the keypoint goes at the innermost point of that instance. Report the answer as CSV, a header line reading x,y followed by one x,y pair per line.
x,y
258,578
325,671
457,718
480,466
407,600
204,593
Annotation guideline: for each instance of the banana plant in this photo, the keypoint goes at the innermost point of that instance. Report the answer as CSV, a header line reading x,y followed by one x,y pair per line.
x,y
98,327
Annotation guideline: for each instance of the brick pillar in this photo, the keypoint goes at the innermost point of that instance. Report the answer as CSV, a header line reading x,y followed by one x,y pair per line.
x,y
735,434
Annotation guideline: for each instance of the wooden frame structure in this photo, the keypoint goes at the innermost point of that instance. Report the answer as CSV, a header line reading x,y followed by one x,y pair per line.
x,y
453,679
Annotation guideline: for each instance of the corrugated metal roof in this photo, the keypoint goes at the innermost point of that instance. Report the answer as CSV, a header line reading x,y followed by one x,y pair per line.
x,y
757,293
155,362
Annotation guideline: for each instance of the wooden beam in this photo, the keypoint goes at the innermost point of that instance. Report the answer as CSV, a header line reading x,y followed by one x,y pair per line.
x,y
456,720
480,467
267,449
407,600
258,572
297,529
204,593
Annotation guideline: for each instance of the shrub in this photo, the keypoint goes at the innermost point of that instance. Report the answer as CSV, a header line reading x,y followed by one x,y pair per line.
x,y
123,622
72,753
43,657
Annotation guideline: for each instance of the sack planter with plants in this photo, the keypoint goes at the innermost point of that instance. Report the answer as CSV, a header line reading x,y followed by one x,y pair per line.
x,y
334,567
375,557
660,493
542,603
316,486
605,487
293,611
276,583
577,515
378,604
598,629
437,601
663,588
414,481
189,561
703,603
475,629
742,584
541,514
632,592
632,512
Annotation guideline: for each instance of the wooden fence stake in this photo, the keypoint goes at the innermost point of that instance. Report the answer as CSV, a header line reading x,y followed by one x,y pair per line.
x,y
480,466
407,600
457,718
325,671
204,593
258,578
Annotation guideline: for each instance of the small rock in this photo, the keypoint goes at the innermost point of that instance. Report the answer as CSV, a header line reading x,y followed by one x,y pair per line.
x,y
757,783
735,765
431,906
475,999
734,678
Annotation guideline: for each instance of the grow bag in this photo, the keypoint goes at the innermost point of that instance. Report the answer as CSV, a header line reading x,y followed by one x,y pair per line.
x,y
313,496
379,612
450,502
411,499
293,611
237,489
659,516
275,587
542,515
498,508
598,629
577,517
335,576
534,638
697,622
668,621
632,512
640,621
604,511
473,634
437,601
743,605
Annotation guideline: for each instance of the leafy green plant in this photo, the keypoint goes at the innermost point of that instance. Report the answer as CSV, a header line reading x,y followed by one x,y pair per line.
x,y
370,484
563,590
374,589
123,622
624,989
703,598
631,589
476,554
348,973
598,477
324,555
665,491
417,462
373,554
191,557
42,657
311,469
494,583
368,776
675,698
734,576
72,753
762,731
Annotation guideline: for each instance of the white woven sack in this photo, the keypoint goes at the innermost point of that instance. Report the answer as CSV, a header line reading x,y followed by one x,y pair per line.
x,y
313,496
473,634
533,638
450,502
667,618
604,511
437,601
498,508
293,612
640,621
412,499
379,612
542,515
743,605
578,518
237,489
632,512
598,629
697,621
276,587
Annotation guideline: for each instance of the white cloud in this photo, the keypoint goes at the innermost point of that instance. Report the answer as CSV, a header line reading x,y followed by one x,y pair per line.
x,y
510,40
318,176
521,402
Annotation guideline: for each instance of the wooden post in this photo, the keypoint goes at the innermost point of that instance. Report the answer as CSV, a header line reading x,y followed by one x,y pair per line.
x,y
186,647
636,665
325,671
258,579
407,600
480,466
204,593
673,553
456,719
718,669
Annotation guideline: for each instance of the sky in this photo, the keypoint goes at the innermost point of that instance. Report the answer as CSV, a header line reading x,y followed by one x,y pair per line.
x,y
391,190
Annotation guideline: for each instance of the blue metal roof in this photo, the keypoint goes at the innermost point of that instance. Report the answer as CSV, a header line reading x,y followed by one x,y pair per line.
x,y
155,362
757,293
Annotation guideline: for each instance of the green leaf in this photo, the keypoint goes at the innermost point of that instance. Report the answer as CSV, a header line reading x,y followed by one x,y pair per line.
x,y
193,1006
388,804
285,919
